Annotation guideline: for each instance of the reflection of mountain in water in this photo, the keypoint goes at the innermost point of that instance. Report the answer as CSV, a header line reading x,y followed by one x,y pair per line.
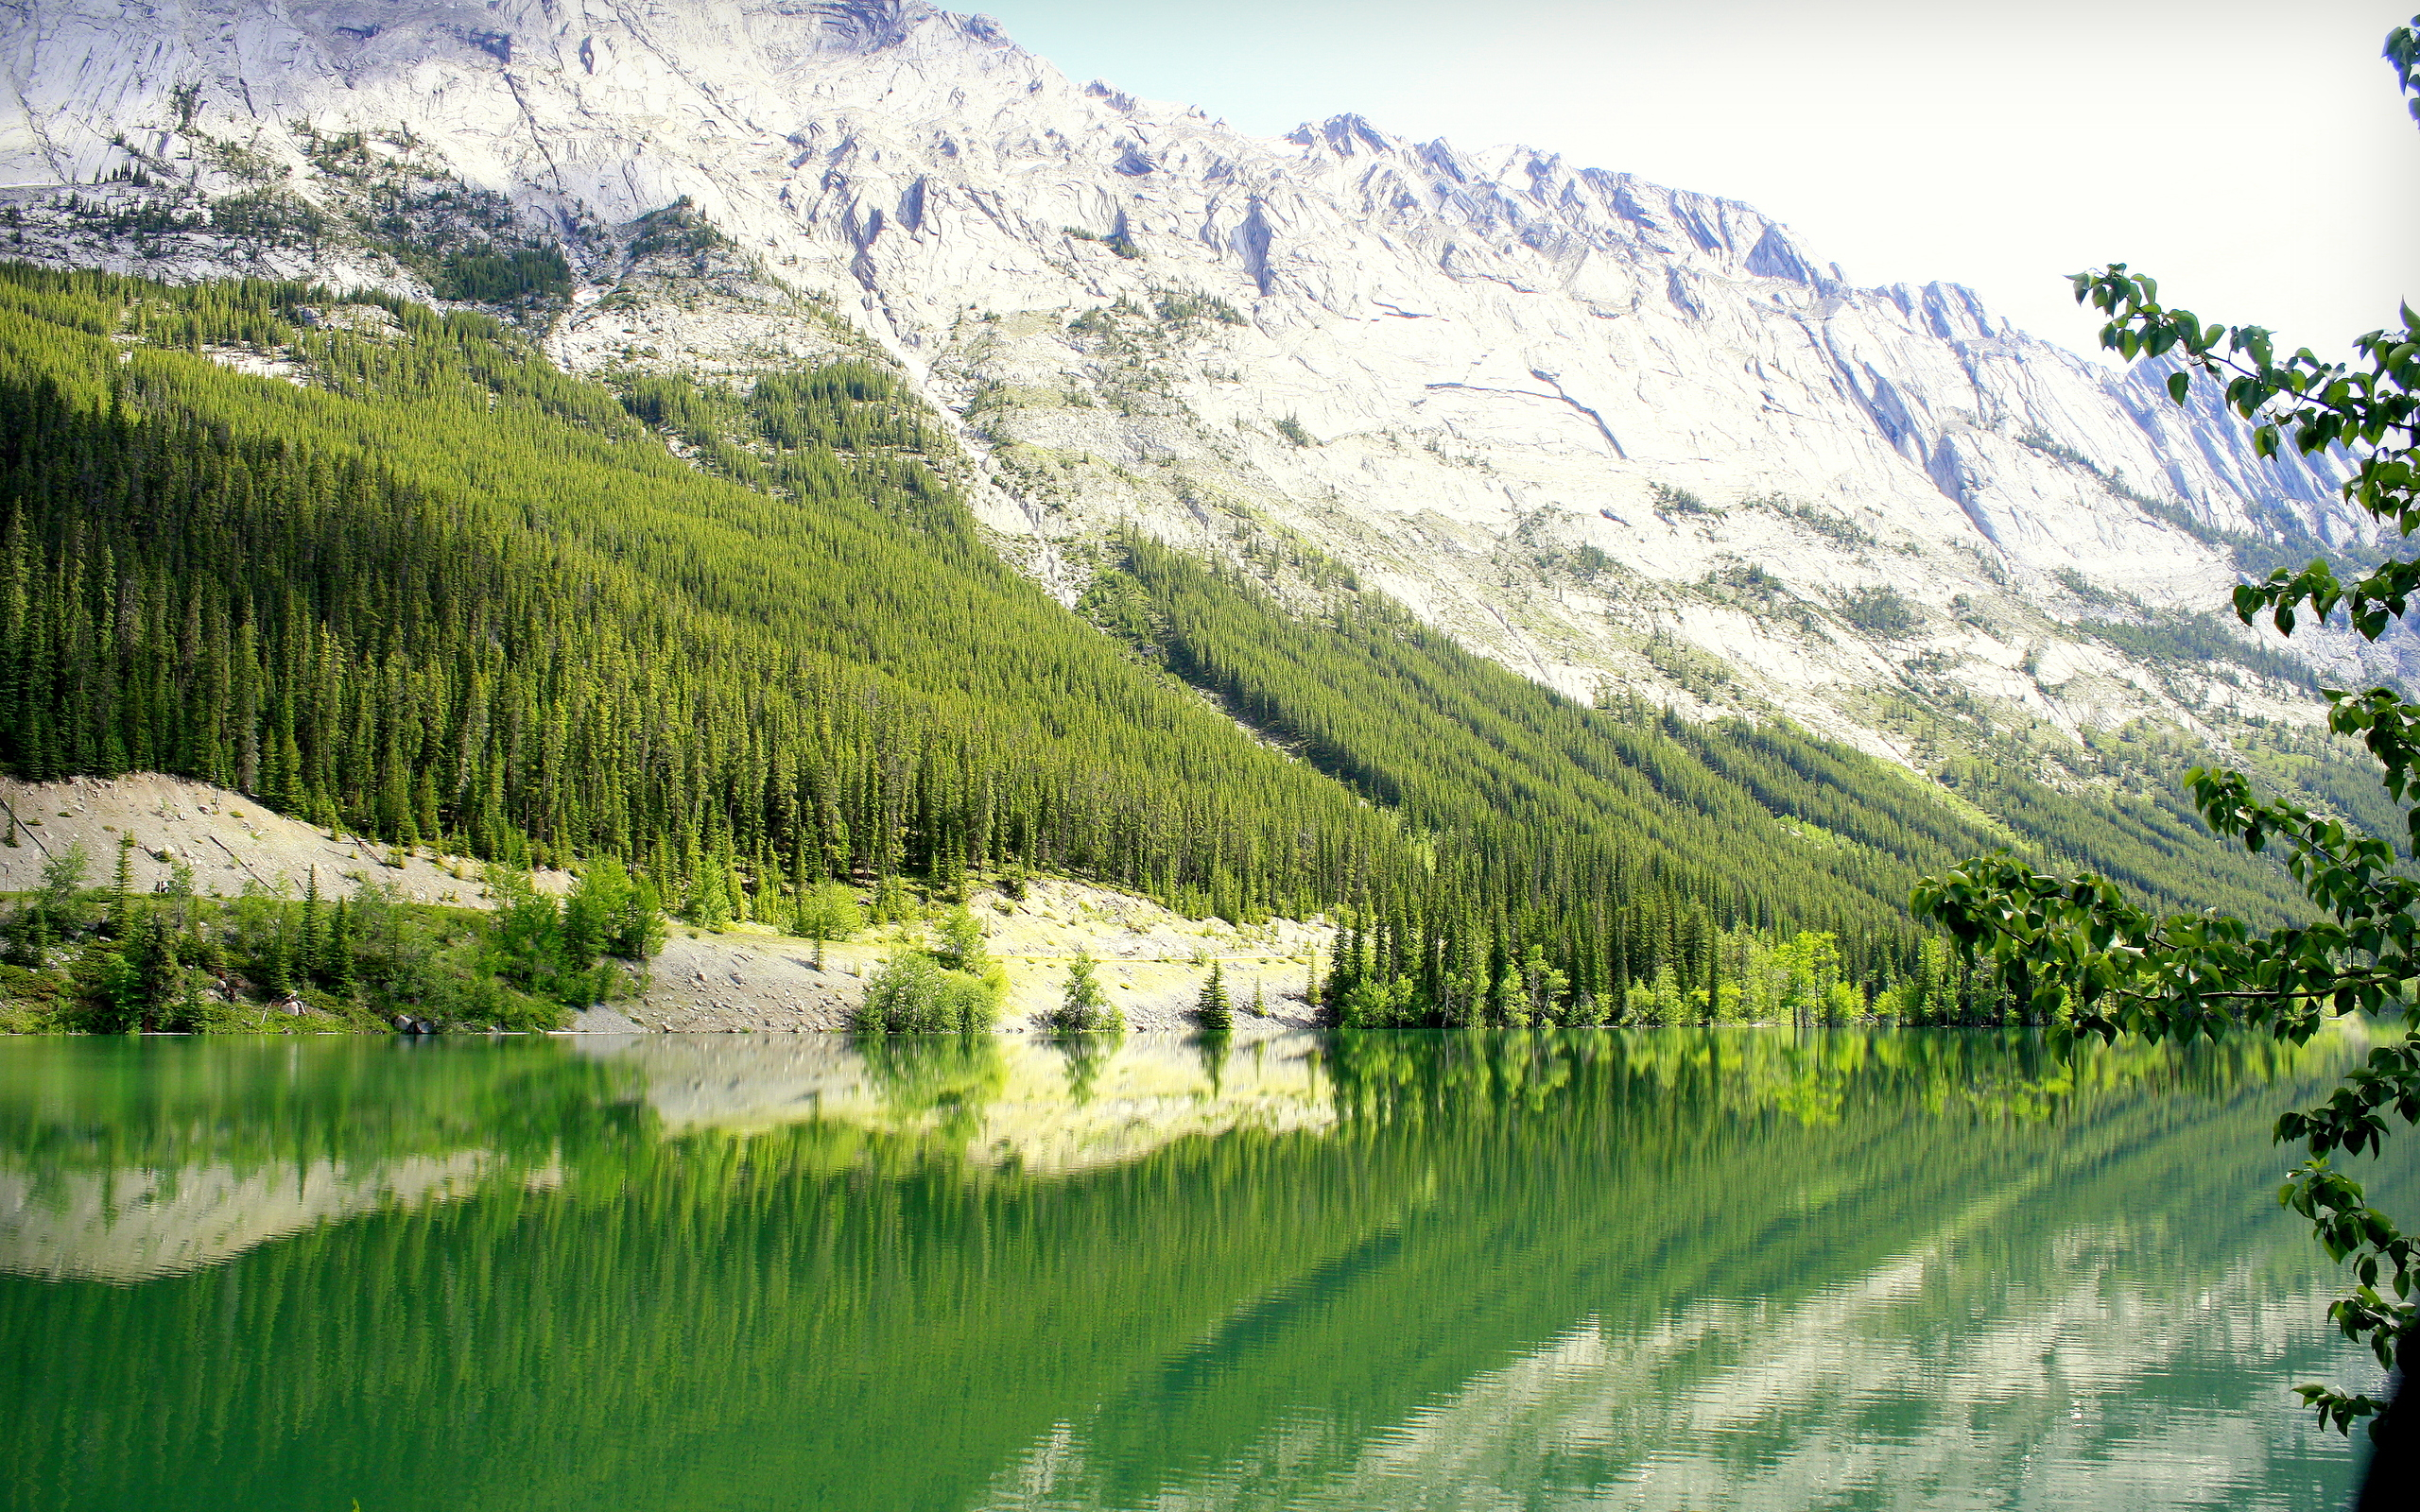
x,y
129,1226
1042,1105
162,1197
124,1161
2109,1319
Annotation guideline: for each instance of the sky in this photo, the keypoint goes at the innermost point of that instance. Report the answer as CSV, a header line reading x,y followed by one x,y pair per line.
x,y
2254,157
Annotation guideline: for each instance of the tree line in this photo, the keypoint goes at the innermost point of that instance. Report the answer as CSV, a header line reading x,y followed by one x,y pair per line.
x,y
176,961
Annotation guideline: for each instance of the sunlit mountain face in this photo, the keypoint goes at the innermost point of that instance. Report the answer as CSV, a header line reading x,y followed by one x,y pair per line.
x,y
1615,435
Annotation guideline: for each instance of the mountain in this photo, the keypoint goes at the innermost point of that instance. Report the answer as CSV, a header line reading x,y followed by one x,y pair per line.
x,y
1423,516
1595,428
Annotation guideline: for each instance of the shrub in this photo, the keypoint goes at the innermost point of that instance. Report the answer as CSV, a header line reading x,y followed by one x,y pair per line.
x,y
961,942
912,994
1085,1008
1670,499
827,911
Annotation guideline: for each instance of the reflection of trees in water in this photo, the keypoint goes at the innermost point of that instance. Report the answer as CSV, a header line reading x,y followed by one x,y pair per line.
x,y
780,1304
1086,1055
113,1104
952,1076
1814,1075
1214,1050
123,1160
783,1304
1617,1178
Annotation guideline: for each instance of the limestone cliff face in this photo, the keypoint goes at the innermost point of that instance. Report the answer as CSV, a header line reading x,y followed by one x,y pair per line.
x,y
1606,431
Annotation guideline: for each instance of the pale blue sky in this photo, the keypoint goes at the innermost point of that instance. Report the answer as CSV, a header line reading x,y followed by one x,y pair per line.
x,y
2252,155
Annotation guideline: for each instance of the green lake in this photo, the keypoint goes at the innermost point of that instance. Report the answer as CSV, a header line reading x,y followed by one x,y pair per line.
x,y
1666,1269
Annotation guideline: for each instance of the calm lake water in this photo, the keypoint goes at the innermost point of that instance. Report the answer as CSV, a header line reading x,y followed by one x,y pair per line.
x,y
1669,1269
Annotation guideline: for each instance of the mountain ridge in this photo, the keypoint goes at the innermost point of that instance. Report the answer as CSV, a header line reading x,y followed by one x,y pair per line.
x,y
1564,414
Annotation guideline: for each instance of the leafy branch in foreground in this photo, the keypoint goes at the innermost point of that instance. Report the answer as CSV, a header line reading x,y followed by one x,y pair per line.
x,y
2096,963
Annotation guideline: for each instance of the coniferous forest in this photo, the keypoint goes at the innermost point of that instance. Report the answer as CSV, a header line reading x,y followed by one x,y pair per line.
x,y
438,591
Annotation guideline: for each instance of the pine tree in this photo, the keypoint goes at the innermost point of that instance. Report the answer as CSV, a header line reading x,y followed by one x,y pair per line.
x,y
121,915
311,956
1714,978
1212,1011
338,971
158,983
795,643
710,897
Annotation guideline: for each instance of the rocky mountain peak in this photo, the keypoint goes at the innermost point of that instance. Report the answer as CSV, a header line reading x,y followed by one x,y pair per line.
x,y
1615,434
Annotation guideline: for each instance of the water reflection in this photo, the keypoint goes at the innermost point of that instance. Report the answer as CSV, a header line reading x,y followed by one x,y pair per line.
x,y
1669,1269
124,1163
1043,1104
123,1160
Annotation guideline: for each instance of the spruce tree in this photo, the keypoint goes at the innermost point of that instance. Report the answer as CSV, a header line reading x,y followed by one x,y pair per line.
x,y
158,981
338,971
1212,1011
122,890
793,643
1714,978
311,960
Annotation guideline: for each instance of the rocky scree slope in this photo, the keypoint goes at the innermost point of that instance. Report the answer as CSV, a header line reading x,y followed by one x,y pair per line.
x,y
1152,963
1610,433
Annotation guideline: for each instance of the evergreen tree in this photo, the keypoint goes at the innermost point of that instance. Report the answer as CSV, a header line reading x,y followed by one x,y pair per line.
x,y
121,915
709,905
311,955
792,641
637,926
602,895
339,973
158,983
1212,1011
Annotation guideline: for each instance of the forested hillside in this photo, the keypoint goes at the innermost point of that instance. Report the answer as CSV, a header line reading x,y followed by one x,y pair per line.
x,y
446,592
435,589
1644,836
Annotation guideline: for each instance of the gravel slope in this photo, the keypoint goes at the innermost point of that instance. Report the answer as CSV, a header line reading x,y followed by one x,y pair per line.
x,y
745,979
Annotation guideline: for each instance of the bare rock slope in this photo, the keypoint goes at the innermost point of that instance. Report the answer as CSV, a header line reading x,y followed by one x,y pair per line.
x,y
226,839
